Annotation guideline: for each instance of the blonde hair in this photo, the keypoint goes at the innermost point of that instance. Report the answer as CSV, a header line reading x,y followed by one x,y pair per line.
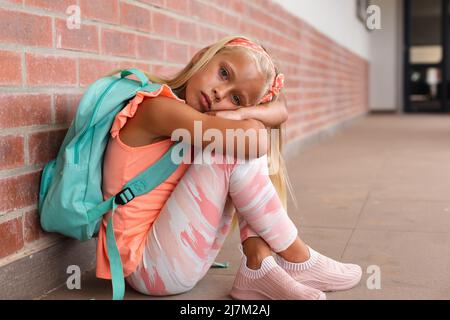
x,y
178,83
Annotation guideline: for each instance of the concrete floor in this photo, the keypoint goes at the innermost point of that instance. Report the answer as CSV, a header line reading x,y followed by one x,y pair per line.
x,y
377,194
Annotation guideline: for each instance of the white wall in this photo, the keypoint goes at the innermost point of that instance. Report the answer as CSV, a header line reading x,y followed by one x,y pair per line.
x,y
336,19
386,70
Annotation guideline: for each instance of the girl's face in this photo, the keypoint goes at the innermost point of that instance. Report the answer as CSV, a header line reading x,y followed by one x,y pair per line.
x,y
229,81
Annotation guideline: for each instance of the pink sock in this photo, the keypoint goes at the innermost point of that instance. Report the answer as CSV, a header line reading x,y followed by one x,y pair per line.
x,y
322,273
270,282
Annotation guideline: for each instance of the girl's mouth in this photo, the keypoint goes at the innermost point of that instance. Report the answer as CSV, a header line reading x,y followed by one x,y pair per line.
x,y
206,103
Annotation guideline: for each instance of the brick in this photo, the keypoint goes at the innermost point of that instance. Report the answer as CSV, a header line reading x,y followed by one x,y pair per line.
x,y
11,152
201,11
141,66
164,71
83,39
231,22
221,34
19,192
50,70
164,25
149,48
44,146
12,237
32,226
50,5
238,6
101,10
193,50
92,69
20,28
117,43
157,3
135,17
217,17
207,35
257,32
66,107
176,52
17,110
179,6
188,31
11,68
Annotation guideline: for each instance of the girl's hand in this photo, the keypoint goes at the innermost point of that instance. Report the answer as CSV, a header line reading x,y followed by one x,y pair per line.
x,y
230,114
271,114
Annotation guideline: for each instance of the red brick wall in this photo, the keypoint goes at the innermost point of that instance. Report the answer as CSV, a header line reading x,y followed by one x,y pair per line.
x,y
44,67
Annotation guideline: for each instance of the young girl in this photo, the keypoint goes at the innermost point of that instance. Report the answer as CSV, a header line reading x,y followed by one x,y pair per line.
x,y
170,237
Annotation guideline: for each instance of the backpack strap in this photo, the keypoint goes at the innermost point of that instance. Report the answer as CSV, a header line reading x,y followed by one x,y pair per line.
x,y
115,262
143,183
138,73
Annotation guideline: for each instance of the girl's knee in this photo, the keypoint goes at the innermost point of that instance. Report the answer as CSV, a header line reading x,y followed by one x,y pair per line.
x,y
211,157
259,165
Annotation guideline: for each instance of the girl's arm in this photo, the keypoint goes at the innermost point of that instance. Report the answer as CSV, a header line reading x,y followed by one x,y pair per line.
x,y
270,114
161,116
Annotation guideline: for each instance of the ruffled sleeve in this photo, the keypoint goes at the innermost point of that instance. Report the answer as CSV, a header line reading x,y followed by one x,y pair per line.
x,y
130,109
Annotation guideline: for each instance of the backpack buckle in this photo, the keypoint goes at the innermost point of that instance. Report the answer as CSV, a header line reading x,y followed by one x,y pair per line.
x,y
124,196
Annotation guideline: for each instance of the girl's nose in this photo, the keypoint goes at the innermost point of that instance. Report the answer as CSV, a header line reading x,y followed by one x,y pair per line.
x,y
219,93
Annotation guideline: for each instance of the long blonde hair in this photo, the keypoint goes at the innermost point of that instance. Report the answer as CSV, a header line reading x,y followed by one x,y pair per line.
x,y
178,83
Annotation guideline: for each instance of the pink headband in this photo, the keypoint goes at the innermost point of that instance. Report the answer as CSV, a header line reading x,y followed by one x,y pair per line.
x,y
278,81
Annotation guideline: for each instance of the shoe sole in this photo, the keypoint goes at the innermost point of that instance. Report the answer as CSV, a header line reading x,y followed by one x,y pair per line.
x,y
239,294
342,287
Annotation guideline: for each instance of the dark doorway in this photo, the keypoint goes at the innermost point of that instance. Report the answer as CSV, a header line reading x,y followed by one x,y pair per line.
x,y
426,55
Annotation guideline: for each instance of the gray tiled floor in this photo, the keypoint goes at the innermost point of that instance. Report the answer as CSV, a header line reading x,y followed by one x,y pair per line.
x,y
377,194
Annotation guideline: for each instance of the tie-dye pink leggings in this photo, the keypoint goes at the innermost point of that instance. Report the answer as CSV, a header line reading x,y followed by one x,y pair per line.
x,y
194,222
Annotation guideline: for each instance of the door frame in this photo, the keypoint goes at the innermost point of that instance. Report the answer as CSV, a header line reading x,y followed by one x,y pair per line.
x,y
406,56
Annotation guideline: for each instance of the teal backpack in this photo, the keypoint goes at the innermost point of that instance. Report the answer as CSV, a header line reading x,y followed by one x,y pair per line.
x,y
70,196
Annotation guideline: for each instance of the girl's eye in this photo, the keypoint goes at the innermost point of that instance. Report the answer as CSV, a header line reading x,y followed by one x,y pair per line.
x,y
223,73
236,99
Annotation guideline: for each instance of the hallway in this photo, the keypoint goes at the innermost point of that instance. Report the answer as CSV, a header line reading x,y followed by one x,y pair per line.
x,y
376,193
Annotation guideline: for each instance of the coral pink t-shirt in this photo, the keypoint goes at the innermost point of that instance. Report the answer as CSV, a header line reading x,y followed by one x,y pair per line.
x,y
121,163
